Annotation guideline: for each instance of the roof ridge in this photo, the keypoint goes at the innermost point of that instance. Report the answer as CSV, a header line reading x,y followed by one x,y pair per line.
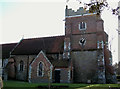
x,y
30,46
43,37
8,43
15,46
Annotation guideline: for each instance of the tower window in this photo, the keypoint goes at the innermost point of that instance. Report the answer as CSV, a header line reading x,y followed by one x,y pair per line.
x,y
82,26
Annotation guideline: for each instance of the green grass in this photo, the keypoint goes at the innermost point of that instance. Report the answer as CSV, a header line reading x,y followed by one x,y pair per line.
x,y
105,85
26,85
19,84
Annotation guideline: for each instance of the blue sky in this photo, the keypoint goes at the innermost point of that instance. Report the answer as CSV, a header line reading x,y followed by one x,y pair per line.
x,y
40,18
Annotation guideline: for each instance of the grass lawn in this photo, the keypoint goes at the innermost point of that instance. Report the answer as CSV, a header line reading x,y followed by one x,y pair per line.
x,y
26,85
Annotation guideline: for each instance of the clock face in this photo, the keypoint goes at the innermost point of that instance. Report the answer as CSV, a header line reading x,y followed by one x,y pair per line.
x,y
82,41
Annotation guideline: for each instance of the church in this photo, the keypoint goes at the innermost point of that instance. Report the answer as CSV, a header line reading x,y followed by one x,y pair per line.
x,y
79,56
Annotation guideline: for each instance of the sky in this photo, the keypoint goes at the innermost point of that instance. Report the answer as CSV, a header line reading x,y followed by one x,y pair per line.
x,y
40,18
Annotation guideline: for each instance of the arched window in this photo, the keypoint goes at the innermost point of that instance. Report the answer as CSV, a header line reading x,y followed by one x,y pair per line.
x,y
40,69
82,26
21,65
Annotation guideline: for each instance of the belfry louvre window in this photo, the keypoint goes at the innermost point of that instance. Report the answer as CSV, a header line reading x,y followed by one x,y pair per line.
x,y
40,69
21,65
82,26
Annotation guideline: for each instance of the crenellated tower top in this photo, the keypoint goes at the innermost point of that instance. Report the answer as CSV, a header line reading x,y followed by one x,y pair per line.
x,y
80,11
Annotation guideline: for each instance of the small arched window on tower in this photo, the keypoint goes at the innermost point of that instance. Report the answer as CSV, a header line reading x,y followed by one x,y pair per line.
x,y
40,69
21,65
82,26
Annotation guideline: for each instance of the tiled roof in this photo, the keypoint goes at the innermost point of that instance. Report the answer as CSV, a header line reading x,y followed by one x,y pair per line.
x,y
35,45
58,63
6,49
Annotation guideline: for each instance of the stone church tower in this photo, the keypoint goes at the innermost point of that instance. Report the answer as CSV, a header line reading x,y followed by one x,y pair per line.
x,y
85,45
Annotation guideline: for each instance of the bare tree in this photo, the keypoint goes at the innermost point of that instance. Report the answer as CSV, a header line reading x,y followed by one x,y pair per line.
x,y
98,6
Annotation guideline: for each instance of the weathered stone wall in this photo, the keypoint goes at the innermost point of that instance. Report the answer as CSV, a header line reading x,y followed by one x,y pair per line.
x,y
34,77
89,45
110,72
73,24
0,67
28,59
64,75
80,11
10,68
67,48
23,75
94,31
85,57
85,66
